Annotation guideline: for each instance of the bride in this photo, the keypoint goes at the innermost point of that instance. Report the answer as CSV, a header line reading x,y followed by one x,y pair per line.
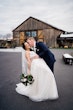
x,y
44,86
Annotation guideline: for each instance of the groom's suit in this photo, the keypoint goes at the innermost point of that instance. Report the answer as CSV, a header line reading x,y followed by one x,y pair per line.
x,y
43,51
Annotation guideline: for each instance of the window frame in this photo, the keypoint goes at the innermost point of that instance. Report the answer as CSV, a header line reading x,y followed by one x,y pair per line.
x,y
31,33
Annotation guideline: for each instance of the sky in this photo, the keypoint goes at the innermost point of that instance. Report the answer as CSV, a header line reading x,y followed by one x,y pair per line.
x,y
58,13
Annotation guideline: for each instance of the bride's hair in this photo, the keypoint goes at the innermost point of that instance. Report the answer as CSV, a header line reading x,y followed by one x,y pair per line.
x,y
23,44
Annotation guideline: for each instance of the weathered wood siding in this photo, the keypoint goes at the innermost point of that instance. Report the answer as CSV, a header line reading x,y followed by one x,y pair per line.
x,y
50,36
45,32
21,38
40,36
16,37
32,24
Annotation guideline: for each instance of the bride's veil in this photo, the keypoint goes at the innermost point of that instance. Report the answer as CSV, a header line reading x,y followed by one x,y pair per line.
x,y
24,61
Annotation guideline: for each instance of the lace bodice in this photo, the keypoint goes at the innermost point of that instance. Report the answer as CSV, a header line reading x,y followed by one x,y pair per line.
x,y
32,54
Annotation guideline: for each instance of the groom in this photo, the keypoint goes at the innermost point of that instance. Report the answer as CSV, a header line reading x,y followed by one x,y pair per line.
x,y
42,50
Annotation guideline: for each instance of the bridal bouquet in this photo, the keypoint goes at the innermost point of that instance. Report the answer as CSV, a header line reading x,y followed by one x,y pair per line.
x,y
26,79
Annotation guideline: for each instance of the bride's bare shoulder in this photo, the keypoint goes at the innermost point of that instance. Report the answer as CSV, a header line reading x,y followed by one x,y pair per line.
x,y
27,53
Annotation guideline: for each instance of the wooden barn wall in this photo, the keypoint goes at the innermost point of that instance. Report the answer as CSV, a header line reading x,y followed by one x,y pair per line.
x,y
21,37
32,24
50,36
40,35
47,37
16,37
57,33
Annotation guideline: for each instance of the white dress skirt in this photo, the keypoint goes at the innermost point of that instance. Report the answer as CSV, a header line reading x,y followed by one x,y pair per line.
x,y
44,86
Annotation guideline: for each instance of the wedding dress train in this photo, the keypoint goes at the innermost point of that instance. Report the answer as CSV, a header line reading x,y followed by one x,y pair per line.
x,y
44,86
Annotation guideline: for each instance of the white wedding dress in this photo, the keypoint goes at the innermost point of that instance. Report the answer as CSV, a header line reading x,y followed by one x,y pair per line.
x,y
44,86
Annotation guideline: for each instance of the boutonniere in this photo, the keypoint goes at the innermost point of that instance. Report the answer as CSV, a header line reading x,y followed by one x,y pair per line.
x,y
37,49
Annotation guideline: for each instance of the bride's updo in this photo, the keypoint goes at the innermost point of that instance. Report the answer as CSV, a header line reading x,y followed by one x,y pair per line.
x,y
26,46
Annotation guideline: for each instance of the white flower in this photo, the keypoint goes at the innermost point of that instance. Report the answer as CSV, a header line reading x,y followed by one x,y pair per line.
x,y
23,80
37,49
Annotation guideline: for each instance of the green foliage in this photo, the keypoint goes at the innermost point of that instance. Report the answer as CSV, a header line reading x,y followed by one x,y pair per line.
x,y
26,79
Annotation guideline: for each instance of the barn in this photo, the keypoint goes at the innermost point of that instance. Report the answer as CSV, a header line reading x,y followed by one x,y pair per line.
x,y
38,29
65,40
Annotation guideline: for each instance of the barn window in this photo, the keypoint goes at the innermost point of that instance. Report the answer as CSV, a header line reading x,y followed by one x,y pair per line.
x,y
28,33
31,33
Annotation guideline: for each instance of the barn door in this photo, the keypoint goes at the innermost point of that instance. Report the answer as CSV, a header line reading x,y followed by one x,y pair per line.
x,y
40,35
21,38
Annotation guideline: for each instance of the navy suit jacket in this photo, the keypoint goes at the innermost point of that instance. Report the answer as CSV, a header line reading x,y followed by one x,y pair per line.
x,y
43,51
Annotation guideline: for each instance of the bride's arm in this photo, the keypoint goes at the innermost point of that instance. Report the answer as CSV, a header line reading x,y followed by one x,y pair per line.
x,y
27,55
